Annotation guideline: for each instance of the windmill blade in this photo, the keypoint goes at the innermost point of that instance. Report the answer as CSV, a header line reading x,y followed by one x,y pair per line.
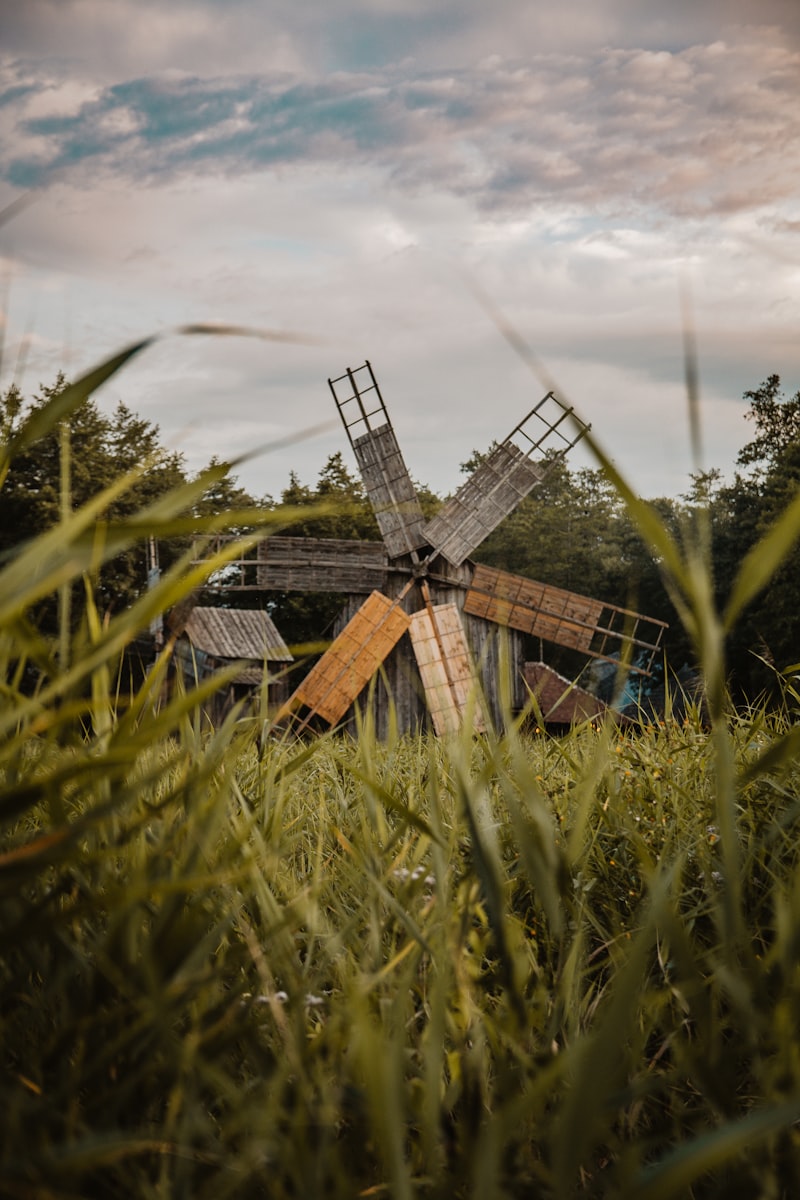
x,y
505,478
350,661
297,564
564,618
386,479
445,667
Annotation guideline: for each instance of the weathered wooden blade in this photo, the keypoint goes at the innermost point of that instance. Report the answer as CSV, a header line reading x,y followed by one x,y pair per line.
x,y
296,564
351,660
386,479
563,617
503,480
445,667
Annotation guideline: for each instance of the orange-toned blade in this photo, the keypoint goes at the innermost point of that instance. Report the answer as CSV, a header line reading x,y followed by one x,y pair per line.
x,y
445,667
351,660
563,617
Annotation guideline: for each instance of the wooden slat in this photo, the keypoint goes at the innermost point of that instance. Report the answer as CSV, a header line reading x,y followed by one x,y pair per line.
x,y
390,490
557,615
445,668
352,659
492,492
297,564
236,633
563,617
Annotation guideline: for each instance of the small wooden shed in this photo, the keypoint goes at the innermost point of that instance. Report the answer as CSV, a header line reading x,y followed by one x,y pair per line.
x,y
213,638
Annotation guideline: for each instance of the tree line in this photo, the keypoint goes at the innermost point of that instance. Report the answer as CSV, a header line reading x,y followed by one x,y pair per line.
x,y
572,531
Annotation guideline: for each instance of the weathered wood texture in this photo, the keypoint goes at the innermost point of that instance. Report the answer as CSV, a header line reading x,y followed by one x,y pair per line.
x,y
553,614
352,659
299,564
212,638
490,494
563,617
561,701
397,699
390,490
231,633
446,669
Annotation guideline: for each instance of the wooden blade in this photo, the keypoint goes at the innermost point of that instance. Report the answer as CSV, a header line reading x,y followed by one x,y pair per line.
x,y
563,617
503,480
296,564
386,479
351,660
390,491
445,667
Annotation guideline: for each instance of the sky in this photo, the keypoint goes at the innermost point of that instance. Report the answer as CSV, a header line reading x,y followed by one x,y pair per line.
x,y
392,180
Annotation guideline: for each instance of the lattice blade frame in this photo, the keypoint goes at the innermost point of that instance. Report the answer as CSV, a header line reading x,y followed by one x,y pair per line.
x,y
386,479
297,564
563,617
504,479
445,667
350,661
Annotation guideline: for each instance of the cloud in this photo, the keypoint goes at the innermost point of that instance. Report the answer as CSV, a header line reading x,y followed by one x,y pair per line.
x,y
707,129
340,169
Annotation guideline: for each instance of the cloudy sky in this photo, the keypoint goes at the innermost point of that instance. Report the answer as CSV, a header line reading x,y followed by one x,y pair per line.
x,y
360,172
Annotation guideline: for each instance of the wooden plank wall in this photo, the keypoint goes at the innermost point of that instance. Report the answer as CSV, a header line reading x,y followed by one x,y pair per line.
x,y
498,654
297,564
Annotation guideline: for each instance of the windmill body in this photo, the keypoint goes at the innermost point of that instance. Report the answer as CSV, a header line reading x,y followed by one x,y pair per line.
x,y
427,635
443,636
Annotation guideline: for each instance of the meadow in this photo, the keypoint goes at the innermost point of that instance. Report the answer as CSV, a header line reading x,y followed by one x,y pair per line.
x,y
239,965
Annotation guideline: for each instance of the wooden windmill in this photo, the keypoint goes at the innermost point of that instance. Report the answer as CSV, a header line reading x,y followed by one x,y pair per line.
x,y
419,609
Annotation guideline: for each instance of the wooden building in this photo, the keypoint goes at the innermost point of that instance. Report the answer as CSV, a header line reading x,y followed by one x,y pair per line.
x,y
212,638
426,632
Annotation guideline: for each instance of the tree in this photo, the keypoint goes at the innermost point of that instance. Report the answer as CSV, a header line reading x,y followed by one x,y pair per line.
x,y
101,449
768,635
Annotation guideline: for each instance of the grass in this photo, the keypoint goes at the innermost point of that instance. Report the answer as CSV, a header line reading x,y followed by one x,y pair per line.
x,y
233,965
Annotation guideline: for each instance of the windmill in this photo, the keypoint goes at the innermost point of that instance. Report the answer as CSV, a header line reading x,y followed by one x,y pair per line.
x,y
419,609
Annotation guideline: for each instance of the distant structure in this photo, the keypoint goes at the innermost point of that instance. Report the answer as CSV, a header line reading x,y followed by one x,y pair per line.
x,y
443,635
211,638
561,701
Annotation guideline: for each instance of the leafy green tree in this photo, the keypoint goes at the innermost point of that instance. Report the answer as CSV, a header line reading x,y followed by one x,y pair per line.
x,y
102,448
768,636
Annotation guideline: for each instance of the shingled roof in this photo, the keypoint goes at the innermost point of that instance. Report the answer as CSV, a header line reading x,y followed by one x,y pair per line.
x,y
236,633
561,701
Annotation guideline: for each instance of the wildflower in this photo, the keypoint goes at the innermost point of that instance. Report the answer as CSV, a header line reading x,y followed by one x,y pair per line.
x,y
260,1001
713,834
